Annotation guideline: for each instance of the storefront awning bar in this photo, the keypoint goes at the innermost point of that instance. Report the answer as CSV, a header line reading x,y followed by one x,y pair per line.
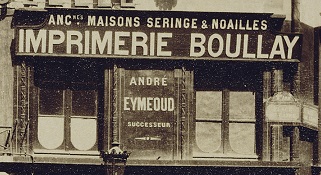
x,y
41,56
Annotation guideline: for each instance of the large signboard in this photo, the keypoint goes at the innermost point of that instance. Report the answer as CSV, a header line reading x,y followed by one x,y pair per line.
x,y
153,34
148,113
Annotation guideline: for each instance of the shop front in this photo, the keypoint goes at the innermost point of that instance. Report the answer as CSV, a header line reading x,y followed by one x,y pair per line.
x,y
181,91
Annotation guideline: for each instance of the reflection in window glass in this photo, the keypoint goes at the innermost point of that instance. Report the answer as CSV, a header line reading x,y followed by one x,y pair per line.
x,y
83,103
242,138
209,104
242,105
208,136
50,102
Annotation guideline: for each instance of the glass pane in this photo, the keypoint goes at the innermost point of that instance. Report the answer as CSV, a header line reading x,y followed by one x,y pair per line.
x,y
84,3
104,2
83,103
51,102
242,105
242,138
64,3
83,133
208,136
209,104
50,132
81,2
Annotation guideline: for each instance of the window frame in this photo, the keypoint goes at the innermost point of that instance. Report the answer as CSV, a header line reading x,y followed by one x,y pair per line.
x,y
225,149
66,75
67,116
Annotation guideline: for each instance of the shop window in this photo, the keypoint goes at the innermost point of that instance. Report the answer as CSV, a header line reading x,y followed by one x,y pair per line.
x,y
225,123
55,119
67,109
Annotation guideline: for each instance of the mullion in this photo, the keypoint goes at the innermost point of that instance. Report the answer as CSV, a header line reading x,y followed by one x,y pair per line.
x,y
67,112
225,118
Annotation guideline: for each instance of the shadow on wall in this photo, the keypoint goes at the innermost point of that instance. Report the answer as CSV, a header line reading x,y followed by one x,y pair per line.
x,y
165,4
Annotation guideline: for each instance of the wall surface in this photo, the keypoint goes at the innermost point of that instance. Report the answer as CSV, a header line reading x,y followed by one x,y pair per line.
x,y
6,73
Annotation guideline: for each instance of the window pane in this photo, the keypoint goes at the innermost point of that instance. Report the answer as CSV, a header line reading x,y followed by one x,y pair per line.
x,y
50,102
83,133
242,138
104,2
208,136
87,3
242,105
64,3
83,103
50,132
208,104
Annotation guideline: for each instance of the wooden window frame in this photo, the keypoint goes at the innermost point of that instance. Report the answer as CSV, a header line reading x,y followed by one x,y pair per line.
x,y
225,150
67,116
68,84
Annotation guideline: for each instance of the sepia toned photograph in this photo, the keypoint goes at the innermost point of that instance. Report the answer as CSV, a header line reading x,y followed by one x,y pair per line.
x,y
160,87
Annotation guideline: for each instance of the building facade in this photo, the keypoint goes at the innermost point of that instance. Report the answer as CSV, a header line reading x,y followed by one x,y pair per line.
x,y
184,92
